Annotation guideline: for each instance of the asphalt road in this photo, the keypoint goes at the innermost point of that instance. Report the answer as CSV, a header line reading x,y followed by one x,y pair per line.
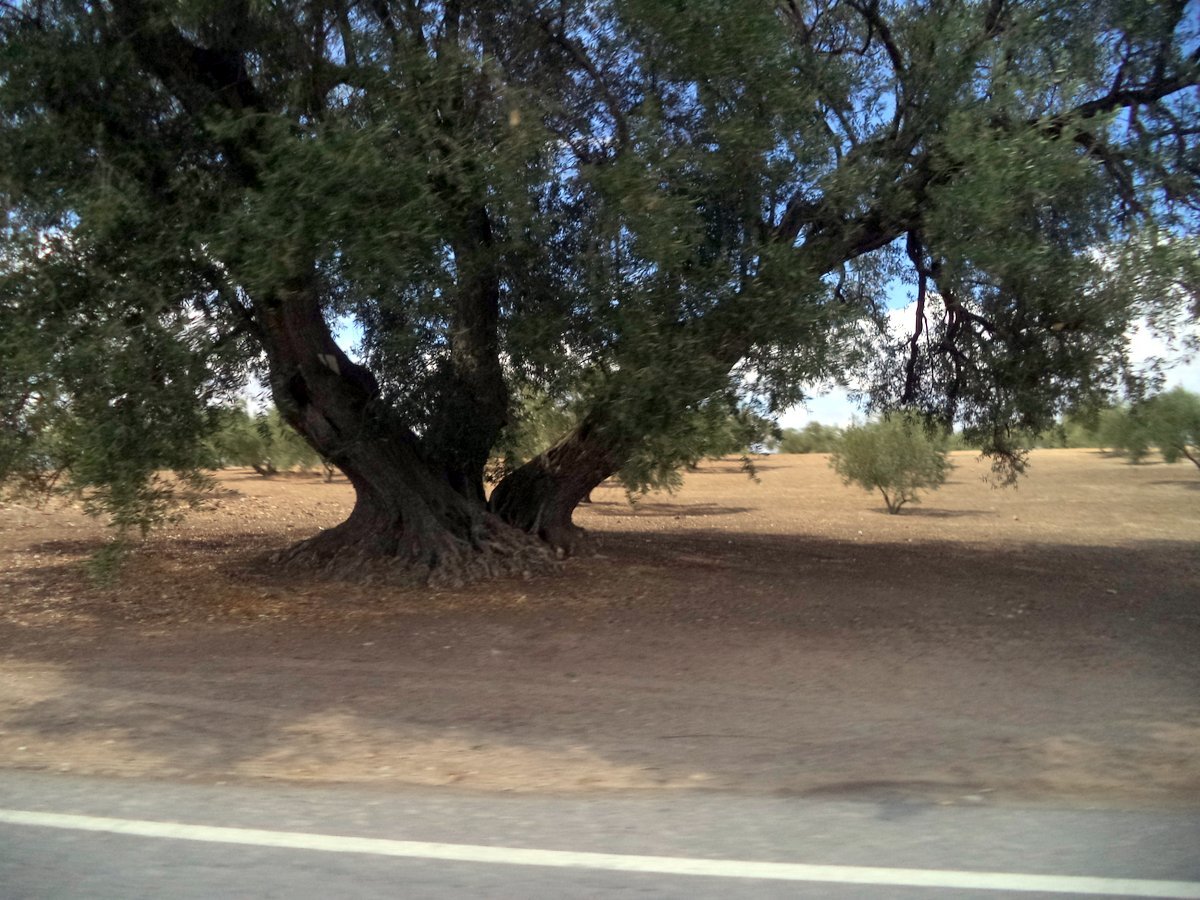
x,y
297,842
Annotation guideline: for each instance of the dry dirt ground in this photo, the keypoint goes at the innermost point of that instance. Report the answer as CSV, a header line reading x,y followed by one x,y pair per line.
x,y
785,636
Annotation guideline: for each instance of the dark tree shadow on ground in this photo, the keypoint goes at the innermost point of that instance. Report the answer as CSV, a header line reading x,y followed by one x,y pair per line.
x,y
670,510
926,512
156,543
713,470
1193,484
67,548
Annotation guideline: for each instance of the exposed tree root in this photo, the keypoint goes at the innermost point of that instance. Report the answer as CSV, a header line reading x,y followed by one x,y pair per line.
x,y
566,540
437,560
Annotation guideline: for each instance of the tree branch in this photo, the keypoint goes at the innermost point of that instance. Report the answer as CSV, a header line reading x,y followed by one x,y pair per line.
x,y
1143,95
876,24
198,77
347,35
993,21
916,253
581,59
1113,164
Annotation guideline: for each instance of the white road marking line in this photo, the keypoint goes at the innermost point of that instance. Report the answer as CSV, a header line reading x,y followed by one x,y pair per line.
x,y
662,865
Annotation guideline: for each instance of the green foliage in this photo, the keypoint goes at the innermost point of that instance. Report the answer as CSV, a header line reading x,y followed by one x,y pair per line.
x,y
1123,429
539,421
742,433
812,438
637,209
106,402
1077,430
264,443
717,428
1173,425
1169,421
1078,433
958,441
897,456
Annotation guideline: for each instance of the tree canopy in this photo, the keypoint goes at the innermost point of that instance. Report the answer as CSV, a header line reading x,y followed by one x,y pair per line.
x,y
651,213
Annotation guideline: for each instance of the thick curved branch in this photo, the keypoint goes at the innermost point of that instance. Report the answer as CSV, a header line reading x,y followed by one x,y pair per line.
x,y
877,25
581,58
1114,164
993,20
200,78
1125,98
183,66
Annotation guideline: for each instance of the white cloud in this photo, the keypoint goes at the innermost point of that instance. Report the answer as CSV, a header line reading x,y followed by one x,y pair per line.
x,y
1181,368
831,408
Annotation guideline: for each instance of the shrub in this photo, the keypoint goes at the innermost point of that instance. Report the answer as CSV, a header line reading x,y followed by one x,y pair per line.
x,y
896,456
1122,429
263,442
1172,422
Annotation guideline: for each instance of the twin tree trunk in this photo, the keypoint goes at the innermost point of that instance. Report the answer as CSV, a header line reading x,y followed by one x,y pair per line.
x,y
419,502
413,515
420,513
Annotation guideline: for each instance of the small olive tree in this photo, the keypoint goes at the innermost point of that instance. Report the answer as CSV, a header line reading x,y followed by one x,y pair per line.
x,y
1173,424
263,442
1123,430
896,456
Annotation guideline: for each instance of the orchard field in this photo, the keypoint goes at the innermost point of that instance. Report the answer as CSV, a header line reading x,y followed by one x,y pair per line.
x,y
782,635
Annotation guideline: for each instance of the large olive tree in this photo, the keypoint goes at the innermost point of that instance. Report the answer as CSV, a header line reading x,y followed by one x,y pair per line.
x,y
648,211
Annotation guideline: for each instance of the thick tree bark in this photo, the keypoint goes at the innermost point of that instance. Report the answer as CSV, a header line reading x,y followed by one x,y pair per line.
x,y
408,517
540,497
472,394
410,522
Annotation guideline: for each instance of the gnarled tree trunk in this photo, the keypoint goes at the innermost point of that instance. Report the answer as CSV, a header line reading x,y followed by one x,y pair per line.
x,y
408,516
419,504
540,497
472,395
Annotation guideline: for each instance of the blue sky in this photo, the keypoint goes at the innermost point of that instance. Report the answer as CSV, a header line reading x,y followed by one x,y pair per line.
x,y
836,408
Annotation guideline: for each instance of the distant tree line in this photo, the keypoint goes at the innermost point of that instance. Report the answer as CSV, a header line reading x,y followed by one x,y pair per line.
x,y
263,442
812,438
1168,422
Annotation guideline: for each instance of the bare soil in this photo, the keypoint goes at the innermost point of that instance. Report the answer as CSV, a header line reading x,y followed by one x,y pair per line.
x,y
778,636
